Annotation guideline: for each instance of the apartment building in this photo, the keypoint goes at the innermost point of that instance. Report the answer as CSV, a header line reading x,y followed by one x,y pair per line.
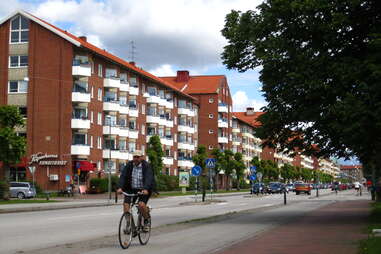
x,y
86,110
215,107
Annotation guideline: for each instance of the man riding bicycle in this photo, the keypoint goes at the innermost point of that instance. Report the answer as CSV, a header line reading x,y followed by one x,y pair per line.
x,y
137,177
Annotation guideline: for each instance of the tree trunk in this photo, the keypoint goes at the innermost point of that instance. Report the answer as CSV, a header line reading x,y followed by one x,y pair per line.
x,y
7,172
227,182
215,182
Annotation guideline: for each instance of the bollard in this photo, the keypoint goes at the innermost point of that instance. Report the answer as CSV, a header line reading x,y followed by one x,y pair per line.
x,y
47,196
116,197
285,197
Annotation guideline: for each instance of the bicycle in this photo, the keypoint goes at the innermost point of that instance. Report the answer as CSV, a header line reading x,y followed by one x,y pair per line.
x,y
130,228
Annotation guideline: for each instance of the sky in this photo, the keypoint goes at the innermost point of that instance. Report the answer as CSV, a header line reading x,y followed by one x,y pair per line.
x,y
168,35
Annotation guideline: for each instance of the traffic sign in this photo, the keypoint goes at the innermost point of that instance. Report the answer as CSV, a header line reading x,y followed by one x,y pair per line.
x,y
253,169
210,163
32,169
196,170
253,177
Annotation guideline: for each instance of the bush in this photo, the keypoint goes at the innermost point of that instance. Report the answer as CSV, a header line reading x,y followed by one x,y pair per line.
x,y
4,190
167,183
100,185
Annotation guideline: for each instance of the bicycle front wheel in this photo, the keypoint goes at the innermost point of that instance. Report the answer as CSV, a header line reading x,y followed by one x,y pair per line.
x,y
125,230
144,231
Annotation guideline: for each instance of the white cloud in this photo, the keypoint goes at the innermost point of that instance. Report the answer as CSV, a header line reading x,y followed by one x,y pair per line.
x,y
163,70
241,101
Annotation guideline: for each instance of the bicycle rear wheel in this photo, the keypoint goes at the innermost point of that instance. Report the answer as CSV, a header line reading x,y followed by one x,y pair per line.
x,y
143,234
125,230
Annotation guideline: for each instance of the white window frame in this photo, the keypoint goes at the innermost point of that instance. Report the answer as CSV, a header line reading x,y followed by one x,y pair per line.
x,y
100,70
143,109
99,94
92,66
18,86
91,117
99,118
143,149
91,141
18,62
92,92
143,130
99,143
19,30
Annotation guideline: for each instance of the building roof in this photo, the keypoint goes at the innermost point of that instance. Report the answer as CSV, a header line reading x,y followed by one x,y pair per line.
x,y
350,167
81,43
249,119
204,84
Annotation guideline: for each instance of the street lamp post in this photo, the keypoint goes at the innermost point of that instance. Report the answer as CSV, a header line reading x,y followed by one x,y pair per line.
x,y
109,160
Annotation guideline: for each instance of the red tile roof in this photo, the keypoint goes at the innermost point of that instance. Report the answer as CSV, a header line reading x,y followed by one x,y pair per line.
x,y
198,84
249,119
116,59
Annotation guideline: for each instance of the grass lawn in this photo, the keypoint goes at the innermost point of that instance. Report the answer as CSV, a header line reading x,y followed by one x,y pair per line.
x,y
179,193
372,245
25,201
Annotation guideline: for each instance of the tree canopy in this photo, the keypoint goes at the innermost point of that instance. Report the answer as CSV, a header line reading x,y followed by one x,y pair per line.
x,y
155,154
12,146
321,72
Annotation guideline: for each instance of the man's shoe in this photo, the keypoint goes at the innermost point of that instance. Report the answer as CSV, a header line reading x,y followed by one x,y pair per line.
x,y
147,225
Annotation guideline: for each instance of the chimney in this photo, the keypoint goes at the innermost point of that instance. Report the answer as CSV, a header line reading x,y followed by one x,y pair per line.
x,y
83,38
182,76
133,63
250,111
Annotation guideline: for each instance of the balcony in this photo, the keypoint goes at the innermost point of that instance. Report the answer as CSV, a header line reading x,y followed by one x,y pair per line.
x,y
153,119
114,130
168,141
80,124
80,149
185,128
124,86
223,140
115,154
124,132
247,134
185,146
236,129
111,105
185,163
222,108
133,134
133,111
153,99
167,160
111,82
223,123
168,123
169,104
134,90
186,111
81,69
236,142
123,109
80,97
124,155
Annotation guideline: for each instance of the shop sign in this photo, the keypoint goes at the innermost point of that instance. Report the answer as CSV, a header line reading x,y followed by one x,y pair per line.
x,y
40,158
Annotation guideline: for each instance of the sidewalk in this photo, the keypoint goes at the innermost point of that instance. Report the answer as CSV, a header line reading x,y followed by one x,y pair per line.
x,y
335,228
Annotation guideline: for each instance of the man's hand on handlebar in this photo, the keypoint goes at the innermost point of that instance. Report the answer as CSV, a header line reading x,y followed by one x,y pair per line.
x,y
144,192
119,190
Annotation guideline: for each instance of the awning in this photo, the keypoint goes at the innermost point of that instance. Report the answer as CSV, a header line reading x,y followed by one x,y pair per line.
x,y
84,165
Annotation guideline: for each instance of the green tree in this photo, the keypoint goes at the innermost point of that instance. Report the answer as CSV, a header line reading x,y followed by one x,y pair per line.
x,y
12,147
155,154
239,166
199,159
227,164
218,155
321,63
287,172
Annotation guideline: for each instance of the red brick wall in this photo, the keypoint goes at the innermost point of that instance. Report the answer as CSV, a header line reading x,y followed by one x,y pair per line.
x,y
49,101
4,53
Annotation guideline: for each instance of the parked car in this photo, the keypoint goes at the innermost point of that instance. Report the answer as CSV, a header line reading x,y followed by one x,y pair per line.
x,y
22,190
275,187
290,187
259,188
303,188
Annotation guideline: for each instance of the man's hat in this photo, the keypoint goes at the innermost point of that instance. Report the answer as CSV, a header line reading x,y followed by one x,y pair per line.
x,y
137,153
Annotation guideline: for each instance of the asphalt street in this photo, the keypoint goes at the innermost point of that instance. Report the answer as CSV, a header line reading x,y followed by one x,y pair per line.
x,y
41,232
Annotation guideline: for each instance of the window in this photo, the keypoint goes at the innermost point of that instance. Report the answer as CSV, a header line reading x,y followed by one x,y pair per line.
x,y
122,145
92,92
182,104
143,148
143,129
143,109
100,118
91,116
175,155
111,73
211,131
19,30
18,61
123,78
152,91
99,142
23,111
99,94
211,100
100,70
92,67
19,86
175,137
131,147
210,147
99,165
91,141
210,116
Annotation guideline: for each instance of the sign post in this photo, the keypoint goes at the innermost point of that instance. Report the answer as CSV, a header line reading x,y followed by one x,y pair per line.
x,y
252,177
183,180
32,170
196,171
210,163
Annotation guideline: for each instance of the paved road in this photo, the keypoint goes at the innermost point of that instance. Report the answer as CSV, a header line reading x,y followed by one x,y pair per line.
x,y
36,230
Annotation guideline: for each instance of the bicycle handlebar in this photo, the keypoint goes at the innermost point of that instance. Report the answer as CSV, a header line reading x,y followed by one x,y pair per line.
x,y
132,195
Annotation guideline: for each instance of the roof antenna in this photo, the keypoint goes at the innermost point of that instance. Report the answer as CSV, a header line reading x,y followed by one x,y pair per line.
x,y
132,51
